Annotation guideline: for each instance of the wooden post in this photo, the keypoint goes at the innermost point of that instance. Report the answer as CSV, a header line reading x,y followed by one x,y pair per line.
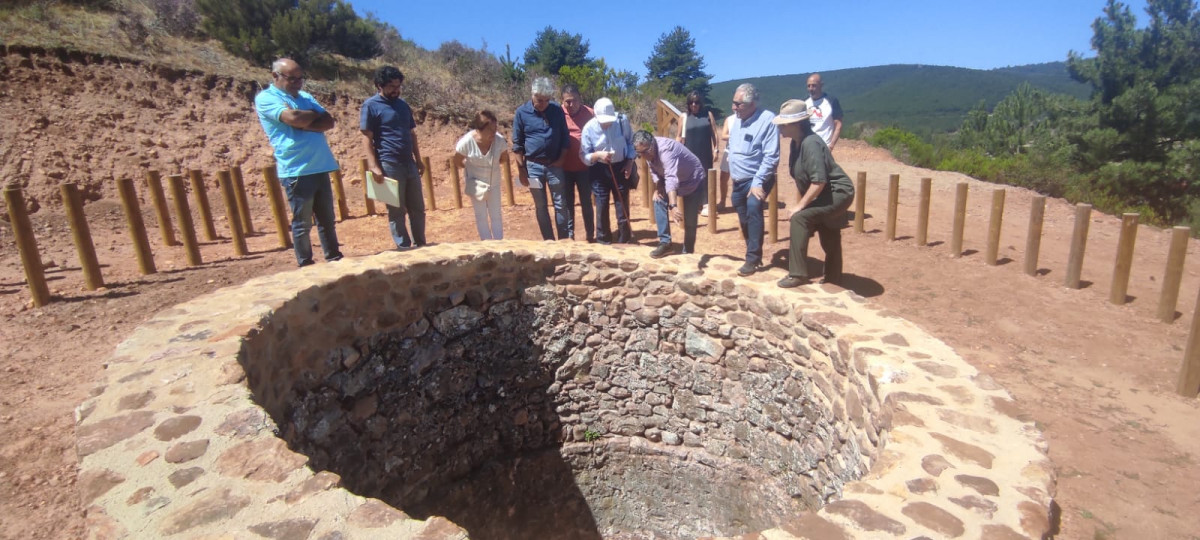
x,y
339,193
82,234
1173,274
1083,217
455,183
713,175
860,202
960,220
137,229
201,194
923,212
243,204
161,211
430,201
225,179
1189,375
26,244
1033,242
370,202
1124,262
645,185
773,212
893,205
506,176
186,230
283,227
994,226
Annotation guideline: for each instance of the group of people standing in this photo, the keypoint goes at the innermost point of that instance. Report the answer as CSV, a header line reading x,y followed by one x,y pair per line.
x,y
571,149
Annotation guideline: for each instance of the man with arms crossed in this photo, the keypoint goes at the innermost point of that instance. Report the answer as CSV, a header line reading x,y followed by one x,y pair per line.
x,y
296,124
391,146
753,156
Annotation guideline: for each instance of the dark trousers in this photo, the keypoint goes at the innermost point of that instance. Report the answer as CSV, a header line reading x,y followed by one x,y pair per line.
x,y
826,220
604,187
750,215
412,205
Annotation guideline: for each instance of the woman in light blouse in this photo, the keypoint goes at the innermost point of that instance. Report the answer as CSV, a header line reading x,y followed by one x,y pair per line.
x,y
480,152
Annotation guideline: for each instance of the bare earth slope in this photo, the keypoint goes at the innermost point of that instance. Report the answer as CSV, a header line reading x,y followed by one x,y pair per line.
x,y
1098,378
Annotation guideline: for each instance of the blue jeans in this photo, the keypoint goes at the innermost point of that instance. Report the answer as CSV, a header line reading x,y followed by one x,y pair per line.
x,y
411,204
582,183
554,179
310,195
691,217
750,215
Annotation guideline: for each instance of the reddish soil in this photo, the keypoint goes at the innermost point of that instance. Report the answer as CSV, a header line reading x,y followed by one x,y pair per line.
x,y
1098,378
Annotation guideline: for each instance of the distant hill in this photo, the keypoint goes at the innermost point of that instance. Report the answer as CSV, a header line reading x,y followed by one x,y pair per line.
x,y
921,99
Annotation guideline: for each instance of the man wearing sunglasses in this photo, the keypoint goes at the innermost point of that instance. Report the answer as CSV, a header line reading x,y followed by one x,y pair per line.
x,y
296,124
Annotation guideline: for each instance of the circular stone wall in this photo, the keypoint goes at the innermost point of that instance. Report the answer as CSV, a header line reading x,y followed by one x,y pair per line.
x,y
569,393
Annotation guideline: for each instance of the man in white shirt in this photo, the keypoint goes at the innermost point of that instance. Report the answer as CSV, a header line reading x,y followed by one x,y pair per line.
x,y
825,110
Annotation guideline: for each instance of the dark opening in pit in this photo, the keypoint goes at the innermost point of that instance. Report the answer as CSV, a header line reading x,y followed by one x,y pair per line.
x,y
556,414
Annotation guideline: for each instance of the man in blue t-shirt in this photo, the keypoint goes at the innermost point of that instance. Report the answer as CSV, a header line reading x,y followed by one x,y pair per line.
x,y
391,146
296,124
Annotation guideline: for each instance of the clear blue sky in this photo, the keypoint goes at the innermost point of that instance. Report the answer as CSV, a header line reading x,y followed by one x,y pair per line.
x,y
773,37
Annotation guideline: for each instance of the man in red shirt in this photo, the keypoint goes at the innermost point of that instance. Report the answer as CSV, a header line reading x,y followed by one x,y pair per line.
x,y
574,168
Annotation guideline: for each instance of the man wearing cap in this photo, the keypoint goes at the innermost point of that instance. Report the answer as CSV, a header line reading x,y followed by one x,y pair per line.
x,y
680,188
295,125
387,125
753,156
826,112
540,142
825,194
606,146
575,170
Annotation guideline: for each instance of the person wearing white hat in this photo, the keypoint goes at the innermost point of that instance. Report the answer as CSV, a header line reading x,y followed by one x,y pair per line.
x,y
825,194
606,146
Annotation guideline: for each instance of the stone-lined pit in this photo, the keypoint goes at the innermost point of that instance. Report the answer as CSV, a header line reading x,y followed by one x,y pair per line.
x,y
572,394
614,393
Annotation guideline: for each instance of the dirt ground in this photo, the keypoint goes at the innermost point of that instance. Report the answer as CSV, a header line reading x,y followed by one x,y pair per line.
x,y
1098,378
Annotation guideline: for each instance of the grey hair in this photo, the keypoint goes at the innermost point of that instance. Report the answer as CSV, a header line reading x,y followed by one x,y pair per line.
x,y
748,92
643,137
278,64
543,87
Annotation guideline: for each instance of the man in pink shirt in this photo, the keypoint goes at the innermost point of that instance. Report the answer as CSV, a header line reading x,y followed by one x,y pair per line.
x,y
576,171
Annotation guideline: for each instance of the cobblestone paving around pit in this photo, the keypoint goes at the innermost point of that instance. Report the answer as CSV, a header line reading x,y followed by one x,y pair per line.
x,y
173,444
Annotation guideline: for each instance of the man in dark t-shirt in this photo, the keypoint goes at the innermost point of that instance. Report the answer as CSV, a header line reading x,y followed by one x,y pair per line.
x,y
391,146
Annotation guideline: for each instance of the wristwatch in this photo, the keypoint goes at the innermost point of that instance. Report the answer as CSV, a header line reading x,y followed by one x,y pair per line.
x,y
673,206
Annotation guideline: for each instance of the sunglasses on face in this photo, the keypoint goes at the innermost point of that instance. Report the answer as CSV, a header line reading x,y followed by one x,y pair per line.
x,y
292,80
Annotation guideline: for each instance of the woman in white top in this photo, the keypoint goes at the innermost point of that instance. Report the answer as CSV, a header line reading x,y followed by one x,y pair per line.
x,y
479,152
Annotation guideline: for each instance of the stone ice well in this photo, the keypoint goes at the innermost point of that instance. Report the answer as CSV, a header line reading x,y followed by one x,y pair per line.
x,y
530,390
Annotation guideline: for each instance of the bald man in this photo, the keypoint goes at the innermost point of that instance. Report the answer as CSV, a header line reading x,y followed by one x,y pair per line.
x,y
826,112
295,125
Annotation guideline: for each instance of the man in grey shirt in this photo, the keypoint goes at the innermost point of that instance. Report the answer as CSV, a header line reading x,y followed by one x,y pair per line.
x,y
753,156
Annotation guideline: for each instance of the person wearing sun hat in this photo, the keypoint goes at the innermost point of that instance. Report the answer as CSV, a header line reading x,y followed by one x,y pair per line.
x,y
825,193
606,147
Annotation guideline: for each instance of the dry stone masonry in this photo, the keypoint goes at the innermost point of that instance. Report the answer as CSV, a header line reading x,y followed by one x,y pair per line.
x,y
524,390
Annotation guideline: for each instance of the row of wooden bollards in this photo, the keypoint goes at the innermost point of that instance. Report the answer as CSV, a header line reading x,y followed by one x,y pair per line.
x,y
1189,378
238,216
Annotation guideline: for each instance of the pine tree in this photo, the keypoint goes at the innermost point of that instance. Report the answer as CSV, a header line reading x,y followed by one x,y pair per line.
x,y
676,62
552,49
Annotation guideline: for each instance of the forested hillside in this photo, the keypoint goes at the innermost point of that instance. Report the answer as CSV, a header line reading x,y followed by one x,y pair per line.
x,y
920,99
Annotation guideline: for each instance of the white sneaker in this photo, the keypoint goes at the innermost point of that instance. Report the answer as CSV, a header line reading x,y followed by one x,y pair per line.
x,y
704,211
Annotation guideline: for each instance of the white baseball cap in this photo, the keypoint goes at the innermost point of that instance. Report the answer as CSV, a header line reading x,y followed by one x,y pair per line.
x,y
605,111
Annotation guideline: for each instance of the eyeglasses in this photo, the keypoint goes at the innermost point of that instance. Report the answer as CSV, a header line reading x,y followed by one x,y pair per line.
x,y
737,104
693,103
292,80
644,152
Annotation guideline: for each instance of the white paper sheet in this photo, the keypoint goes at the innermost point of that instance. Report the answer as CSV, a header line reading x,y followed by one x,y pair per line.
x,y
387,193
